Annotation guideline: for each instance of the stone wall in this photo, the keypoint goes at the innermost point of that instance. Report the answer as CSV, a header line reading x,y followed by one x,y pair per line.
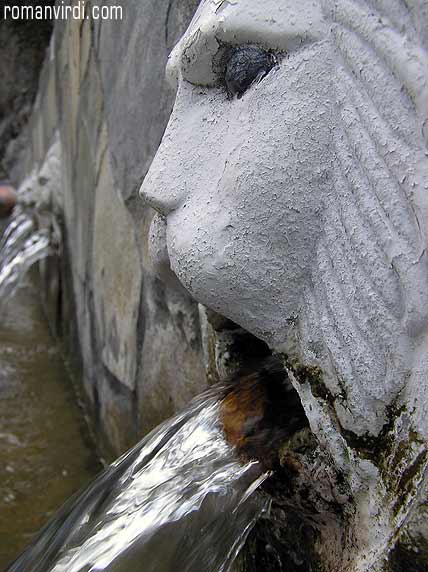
x,y
102,106
22,47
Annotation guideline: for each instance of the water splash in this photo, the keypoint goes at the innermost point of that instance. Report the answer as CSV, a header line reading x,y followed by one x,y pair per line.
x,y
178,501
20,247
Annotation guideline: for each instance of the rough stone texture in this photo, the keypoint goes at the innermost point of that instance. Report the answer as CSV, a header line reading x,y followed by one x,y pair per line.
x,y
411,549
137,98
22,47
117,279
170,355
102,106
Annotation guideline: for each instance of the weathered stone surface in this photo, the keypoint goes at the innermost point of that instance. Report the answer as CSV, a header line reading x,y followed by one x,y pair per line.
x,y
22,46
136,345
137,98
116,279
410,553
116,415
171,368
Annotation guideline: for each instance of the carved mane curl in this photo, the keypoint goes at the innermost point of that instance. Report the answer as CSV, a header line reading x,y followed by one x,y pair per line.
x,y
368,306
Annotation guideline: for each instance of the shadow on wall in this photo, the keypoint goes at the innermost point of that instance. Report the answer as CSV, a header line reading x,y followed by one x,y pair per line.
x,y
22,47
102,107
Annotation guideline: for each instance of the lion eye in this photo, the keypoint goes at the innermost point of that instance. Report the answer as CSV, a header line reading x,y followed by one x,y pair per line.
x,y
245,66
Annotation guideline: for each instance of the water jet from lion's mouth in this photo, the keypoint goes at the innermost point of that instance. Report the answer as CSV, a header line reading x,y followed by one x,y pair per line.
x,y
183,498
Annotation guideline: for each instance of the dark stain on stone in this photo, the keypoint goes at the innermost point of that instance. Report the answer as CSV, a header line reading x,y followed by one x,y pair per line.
x,y
285,541
373,448
376,448
248,351
23,46
409,556
113,339
411,471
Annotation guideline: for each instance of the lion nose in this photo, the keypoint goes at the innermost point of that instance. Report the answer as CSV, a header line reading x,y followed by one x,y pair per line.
x,y
153,200
158,192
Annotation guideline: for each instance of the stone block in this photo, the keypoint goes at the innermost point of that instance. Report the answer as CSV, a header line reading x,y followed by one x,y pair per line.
x,y
172,368
116,427
137,97
117,278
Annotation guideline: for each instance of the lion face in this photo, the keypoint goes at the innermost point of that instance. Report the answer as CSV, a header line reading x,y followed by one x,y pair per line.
x,y
242,175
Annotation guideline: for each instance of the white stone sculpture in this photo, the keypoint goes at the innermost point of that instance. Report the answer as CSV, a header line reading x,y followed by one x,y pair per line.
x,y
292,187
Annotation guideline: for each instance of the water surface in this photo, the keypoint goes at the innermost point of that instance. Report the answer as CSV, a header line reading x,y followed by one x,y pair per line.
x,y
180,500
44,453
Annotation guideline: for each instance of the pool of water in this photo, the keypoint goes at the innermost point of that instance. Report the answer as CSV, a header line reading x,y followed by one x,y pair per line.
x,y
45,453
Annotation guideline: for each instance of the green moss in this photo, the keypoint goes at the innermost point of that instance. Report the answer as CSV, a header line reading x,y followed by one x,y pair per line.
x,y
373,448
311,374
406,483
396,461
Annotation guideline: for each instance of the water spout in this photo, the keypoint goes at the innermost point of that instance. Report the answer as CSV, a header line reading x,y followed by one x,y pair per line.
x,y
179,500
21,245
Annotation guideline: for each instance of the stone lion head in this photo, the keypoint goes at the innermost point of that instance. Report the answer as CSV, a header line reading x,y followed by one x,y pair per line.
x,y
292,192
